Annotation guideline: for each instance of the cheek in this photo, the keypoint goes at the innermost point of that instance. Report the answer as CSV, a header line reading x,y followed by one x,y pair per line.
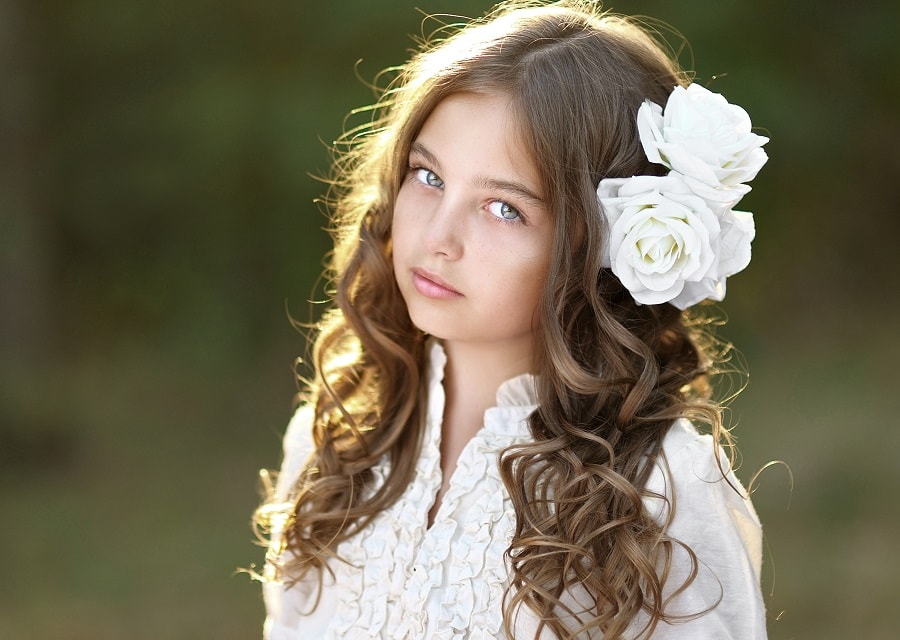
x,y
398,229
401,223
538,279
522,286
536,291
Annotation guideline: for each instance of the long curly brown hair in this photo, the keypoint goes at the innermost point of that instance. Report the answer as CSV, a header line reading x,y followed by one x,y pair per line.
x,y
614,375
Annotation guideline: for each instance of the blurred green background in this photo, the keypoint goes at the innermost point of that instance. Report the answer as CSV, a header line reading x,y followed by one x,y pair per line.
x,y
157,224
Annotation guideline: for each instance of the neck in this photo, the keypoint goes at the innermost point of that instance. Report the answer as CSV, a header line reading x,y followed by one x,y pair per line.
x,y
475,371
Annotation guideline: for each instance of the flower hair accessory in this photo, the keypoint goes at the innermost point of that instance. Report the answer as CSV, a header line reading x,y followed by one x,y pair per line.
x,y
676,238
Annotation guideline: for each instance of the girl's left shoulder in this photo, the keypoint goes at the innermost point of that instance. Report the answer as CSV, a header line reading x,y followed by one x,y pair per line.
x,y
690,456
694,475
694,494
684,447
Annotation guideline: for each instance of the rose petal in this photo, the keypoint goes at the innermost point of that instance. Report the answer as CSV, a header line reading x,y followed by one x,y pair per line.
x,y
734,249
694,292
649,121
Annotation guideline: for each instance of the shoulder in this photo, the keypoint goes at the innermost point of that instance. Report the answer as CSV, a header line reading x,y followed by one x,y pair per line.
x,y
298,446
694,475
694,493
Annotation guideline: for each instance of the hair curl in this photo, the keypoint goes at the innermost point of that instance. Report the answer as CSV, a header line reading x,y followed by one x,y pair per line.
x,y
614,374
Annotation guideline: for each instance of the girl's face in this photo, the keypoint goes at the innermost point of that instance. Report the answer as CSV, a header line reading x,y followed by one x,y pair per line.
x,y
472,235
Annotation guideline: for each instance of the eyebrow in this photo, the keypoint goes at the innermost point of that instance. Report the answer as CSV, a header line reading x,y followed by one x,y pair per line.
x,y
513,188
420,149
507,186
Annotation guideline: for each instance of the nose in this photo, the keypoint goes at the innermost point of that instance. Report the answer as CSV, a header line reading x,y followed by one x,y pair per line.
x,y
444,230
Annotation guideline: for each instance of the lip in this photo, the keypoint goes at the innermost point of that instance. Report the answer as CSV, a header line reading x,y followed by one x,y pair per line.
x,y
433,286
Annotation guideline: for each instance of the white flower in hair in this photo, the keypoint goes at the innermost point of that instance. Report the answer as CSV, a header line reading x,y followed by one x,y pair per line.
x,y
706,139
666,244
675,238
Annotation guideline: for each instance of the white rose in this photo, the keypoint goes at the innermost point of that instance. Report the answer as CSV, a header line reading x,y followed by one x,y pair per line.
x,y
732,254
666,244
706,139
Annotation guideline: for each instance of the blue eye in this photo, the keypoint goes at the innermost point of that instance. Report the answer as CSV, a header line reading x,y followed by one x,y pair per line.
x,y
504,210
428,177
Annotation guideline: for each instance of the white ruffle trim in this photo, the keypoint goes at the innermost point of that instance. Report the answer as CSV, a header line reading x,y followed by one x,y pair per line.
x,y
399,568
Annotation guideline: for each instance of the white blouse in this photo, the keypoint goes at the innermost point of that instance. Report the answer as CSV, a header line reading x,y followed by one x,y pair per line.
x,y
405,580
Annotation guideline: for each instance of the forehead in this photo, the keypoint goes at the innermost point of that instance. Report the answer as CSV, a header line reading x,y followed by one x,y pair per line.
x,y
481,129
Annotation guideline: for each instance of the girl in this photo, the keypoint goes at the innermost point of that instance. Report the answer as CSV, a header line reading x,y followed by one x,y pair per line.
x,y
496,442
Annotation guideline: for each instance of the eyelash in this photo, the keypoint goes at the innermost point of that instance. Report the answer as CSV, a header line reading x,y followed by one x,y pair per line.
x,y
519,219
